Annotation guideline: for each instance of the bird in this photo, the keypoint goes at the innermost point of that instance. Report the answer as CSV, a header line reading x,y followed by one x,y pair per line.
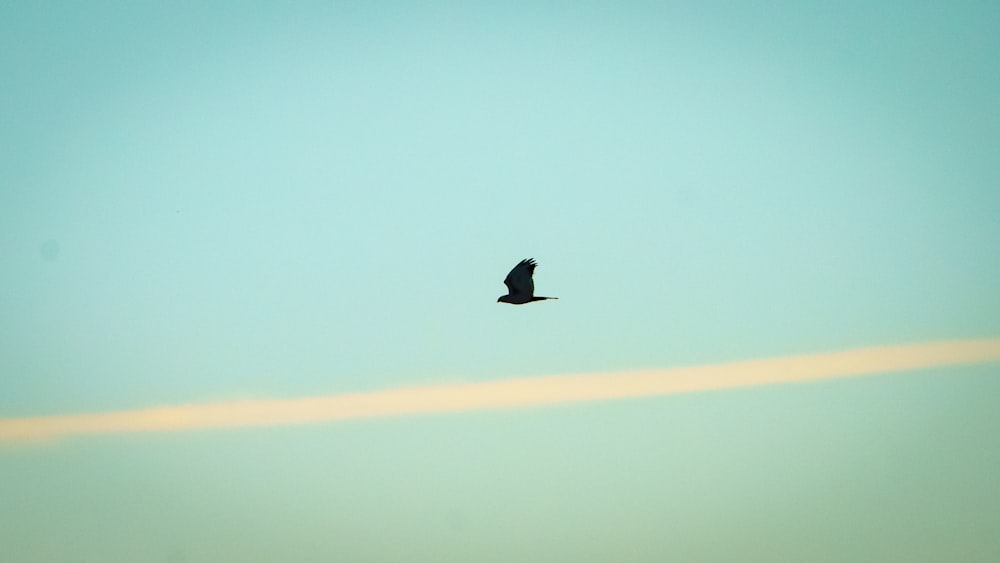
x,y
520,287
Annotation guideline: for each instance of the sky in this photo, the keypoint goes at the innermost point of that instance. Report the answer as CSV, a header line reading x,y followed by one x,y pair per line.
x,y
255,202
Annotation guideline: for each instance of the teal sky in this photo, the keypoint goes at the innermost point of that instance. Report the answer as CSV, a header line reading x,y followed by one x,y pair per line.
x,y
259,200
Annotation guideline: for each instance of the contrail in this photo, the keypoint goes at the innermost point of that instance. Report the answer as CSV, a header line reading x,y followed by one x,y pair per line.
x,y
510,393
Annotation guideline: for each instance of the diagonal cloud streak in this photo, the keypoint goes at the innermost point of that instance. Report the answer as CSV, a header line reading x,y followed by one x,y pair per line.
x,y
511,393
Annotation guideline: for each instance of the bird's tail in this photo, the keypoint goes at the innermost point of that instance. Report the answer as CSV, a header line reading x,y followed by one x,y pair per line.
x,y
542,298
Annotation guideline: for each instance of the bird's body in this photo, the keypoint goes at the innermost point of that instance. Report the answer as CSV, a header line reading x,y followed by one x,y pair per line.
x,y
520,286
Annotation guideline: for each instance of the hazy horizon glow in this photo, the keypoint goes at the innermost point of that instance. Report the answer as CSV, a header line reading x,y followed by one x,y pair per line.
x,y
511,393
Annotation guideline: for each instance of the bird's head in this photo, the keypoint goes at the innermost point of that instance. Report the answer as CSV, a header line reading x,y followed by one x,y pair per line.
x,y
502,299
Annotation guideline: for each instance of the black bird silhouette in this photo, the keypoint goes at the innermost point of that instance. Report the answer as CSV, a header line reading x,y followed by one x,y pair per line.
x,y
520,286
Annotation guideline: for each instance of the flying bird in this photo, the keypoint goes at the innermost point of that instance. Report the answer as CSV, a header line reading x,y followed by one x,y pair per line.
x,y
520,287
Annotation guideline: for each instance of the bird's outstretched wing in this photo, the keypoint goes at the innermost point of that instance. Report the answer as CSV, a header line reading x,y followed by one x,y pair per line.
x,y
519,281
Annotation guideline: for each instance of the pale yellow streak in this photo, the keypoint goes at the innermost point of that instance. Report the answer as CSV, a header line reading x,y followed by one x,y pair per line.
x,y
509,393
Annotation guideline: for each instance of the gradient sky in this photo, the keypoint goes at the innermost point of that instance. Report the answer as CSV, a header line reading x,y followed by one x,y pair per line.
x,y
247,200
